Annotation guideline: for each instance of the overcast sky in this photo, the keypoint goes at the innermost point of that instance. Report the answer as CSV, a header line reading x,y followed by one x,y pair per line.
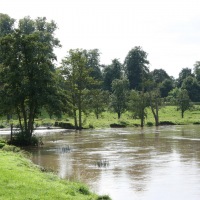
x,y
168,30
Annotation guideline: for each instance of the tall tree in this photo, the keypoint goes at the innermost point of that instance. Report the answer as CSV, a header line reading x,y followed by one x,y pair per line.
x,y
193,87
110,73
119,96
6,24
159,75
165,87
27,69
93,62
136,67
78,78
185,72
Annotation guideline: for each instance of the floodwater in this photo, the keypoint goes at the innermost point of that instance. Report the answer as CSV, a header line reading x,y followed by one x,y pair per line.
x,y
130,163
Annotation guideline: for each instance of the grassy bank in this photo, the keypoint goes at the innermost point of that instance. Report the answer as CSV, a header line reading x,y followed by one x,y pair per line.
x,y
22,180
166,113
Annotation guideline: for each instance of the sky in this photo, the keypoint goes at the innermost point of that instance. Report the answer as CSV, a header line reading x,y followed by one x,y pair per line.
x,y
167,30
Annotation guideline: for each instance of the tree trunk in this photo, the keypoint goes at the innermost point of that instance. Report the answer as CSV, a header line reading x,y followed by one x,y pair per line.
x,y
142,121
20,120
80,119
155,112
11,133
75,119
79,111
182,113
24,116
119,115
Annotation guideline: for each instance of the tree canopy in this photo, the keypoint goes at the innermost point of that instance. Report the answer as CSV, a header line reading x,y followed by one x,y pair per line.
x,y
26,69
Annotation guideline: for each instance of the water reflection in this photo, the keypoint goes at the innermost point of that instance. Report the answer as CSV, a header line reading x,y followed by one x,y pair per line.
x,y
132,163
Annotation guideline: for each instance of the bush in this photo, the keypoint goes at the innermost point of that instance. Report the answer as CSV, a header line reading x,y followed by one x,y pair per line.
x,y
2,145
21,139
104,197
11,148
166,123
84,190
149,124
2,126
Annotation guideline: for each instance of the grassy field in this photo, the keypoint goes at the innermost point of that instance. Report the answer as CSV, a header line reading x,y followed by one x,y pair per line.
x,y
22,180
166,113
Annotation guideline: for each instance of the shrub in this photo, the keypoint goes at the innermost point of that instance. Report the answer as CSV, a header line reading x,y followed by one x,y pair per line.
x,y
84,190
21,139
104,197
149,124
11,148
2,145
2,126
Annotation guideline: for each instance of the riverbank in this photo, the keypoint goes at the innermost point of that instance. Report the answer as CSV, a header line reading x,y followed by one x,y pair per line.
x,y
166,114
21,180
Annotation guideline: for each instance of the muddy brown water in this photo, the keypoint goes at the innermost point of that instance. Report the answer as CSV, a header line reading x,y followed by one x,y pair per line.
x,y
130,163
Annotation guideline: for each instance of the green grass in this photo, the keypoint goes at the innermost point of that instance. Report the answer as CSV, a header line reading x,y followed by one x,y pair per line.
x,y
166,113
20,179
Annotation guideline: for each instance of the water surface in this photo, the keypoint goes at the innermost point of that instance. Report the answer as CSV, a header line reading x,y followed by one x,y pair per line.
x,y
131,163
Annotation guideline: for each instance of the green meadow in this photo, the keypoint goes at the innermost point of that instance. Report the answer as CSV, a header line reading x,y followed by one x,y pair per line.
x,y
166,113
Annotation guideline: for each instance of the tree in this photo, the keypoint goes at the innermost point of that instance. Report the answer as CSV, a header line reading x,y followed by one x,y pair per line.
x,y
110,73
118,98
180,98
97,101
137,105
166,86
197,70
159,75
6,24
93,62
183,101
27,70
155,102
136,67
185,72
193,87
78,78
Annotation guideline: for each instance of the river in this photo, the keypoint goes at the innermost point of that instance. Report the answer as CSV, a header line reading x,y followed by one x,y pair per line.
x,y
130,163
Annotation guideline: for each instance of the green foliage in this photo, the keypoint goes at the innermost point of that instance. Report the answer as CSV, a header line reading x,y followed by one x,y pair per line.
x,y
183,101
84,190
159,75
165,87
104,197
149,124
78,79
110,73
96,101
193,87
138,102
2,145
197,70
185,72
27,70
6,24
119,96
11,148
136,68
20,139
